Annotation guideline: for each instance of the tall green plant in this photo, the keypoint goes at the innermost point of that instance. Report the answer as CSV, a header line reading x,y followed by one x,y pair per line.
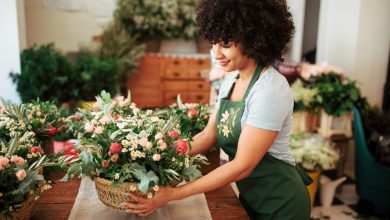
x,y
45,74
96,75
116,43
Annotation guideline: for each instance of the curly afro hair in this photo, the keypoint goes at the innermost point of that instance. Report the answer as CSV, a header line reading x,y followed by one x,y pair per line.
x,y
263,27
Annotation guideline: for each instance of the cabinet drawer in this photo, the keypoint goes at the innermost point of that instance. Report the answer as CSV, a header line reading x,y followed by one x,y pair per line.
x,y
199,97
199,85
176,63
171,97
174,86
176,73
197,66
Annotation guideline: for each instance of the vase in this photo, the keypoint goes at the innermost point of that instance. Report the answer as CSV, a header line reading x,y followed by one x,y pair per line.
x,y
328,189
312,188
178,46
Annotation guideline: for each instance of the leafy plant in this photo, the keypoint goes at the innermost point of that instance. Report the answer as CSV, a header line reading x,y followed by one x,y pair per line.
x,y
45,74
336,94
95,75
165,19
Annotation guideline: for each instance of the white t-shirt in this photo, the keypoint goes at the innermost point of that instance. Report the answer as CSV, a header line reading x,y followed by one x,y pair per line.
x,y
269,106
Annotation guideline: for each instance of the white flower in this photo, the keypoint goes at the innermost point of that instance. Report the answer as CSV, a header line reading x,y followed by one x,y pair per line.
x,y
150,195
155,188
225,116
225,131
88,127
116,176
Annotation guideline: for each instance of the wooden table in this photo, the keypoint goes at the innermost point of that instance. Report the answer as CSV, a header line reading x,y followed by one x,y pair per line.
x,y
57,202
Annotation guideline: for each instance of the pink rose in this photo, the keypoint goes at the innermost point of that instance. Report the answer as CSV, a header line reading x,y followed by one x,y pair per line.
x,y
149,145
98,130
52,131
192,113
96,106
156,157
159,136
116,117
105,163
181,147
163,146
35,149
88,127
115,148
17,160
2,109
143,142
77,118
21,174
173,134
4,161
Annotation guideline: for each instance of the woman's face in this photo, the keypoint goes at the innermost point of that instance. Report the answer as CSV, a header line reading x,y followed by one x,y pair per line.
x,y
229,56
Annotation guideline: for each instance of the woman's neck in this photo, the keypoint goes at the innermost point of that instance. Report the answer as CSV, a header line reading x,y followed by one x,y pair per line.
x,y
248,70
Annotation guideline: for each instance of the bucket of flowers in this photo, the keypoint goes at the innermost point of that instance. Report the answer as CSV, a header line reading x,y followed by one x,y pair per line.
x,y
21,179
124,149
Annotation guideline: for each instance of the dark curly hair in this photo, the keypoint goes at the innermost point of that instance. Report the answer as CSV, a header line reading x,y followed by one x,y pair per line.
x,y
263,27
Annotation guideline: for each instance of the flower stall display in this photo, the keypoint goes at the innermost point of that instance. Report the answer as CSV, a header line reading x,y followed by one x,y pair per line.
x,y
314,154
303,99
124,148
21,179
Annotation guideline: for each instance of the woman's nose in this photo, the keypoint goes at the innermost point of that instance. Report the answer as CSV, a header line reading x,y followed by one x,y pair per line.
x,y
217,52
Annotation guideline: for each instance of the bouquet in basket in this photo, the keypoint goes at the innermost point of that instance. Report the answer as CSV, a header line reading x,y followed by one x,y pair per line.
x,y
124,148
24,130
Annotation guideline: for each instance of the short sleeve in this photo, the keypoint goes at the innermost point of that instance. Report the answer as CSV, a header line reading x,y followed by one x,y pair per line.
x,y
268,107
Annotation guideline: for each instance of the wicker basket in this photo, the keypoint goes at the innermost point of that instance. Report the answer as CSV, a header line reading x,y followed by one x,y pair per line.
x,y
25,212
112,196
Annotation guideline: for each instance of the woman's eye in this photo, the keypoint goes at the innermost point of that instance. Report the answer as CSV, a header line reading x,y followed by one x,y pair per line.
x,y
225,45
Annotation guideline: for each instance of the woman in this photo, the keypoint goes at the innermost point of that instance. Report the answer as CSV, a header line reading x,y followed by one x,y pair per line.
x,y
252,119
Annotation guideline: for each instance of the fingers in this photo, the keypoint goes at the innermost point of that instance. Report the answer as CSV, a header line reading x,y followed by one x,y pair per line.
x,y
136,198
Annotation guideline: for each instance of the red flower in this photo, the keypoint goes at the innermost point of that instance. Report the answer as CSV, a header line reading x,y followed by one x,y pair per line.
x,y
173,134
115,148
104,163
35,149
181,147
114,158
116,117
52,131
192,113
77,118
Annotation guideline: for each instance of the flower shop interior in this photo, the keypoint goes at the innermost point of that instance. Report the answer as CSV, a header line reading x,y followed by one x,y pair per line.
x,y
105,67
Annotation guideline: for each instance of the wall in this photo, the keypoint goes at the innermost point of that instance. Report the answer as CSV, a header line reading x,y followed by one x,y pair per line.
x,y
297,9
9,49
355,35
66,29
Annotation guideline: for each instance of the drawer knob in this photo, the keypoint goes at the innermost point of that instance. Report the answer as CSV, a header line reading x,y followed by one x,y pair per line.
x,y
200,62
176,62
199,97
200,86
176,74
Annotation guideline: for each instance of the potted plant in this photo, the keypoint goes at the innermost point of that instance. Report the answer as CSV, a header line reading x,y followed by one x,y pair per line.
x,y
336,96
162,19
95,75
314,154
46,75
126,149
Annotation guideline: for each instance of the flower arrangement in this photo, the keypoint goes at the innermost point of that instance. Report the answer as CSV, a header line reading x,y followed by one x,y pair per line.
x,y
20,173
192,117
166,19
312,152
39,120
122,143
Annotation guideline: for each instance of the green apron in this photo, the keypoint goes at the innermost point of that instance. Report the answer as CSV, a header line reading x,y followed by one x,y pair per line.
x,y
275,189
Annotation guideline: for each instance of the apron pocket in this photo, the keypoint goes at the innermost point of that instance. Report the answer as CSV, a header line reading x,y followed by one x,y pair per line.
x,y
307,180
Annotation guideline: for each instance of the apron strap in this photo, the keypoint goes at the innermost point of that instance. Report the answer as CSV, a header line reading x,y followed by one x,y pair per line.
x,y
255,76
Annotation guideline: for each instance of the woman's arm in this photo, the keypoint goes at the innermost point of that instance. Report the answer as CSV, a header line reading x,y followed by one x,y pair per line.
x,y
207,138
252,146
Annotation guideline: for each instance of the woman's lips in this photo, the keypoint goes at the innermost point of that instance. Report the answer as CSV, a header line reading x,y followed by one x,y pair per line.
x,y
224,63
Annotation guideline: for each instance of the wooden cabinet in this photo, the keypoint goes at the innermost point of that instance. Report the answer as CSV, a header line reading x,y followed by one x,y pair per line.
x,y
160,78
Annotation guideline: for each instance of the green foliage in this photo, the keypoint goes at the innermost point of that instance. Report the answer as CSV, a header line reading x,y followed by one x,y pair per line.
x,y
166,19
45,74
95,75
336,94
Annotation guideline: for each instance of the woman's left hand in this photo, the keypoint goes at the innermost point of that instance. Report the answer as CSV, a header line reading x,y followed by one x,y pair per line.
x,y
144,207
